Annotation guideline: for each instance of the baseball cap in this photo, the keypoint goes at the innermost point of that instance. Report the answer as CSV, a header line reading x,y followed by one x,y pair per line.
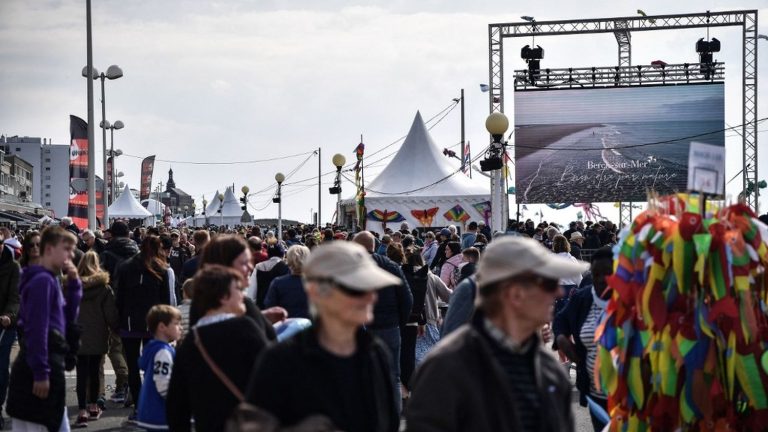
x,y
445,232
348,264
576,235
507,257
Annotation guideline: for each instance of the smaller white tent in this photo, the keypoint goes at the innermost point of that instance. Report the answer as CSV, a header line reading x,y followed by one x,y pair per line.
x,y
155,207
126,207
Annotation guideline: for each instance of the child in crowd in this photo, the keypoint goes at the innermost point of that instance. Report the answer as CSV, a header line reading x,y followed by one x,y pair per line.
x,y
97,316
37,389
164,322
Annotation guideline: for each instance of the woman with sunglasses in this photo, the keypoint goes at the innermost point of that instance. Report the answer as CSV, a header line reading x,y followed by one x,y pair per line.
x,y
335,370
30,249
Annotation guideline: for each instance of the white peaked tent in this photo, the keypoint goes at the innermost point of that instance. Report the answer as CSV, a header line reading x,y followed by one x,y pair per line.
x,y
127,207
230,210
421,179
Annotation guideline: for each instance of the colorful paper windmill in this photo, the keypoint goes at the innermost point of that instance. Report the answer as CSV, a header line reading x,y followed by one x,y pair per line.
x,y
683,342
426,216
457,214
484,208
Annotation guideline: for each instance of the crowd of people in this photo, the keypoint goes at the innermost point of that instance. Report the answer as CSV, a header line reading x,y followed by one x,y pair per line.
x,y
312,329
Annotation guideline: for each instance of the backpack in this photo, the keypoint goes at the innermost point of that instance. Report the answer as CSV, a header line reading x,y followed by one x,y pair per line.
x,y
418,282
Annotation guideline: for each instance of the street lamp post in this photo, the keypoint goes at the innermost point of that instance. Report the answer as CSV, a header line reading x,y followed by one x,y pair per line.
x,y
112,152
497,124
279,178
245,190
221,210
205,205
338,161
113,72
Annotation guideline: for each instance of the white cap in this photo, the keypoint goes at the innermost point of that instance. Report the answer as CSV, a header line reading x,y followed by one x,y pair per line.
x,y
348,264
506,257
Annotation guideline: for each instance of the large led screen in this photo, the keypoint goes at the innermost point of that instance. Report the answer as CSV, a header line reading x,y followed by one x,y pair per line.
x,y
611,144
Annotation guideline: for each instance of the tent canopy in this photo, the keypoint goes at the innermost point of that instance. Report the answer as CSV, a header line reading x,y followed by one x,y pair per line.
x,y
422,187
421,169
126,206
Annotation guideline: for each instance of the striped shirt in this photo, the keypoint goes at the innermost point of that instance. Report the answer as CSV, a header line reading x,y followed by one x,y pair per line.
x,y
588,339
517,361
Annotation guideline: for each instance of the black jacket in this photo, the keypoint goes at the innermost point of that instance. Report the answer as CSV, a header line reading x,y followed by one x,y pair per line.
x,y
461,387
136,291
115,252
195,391
251,311
9,286
394,303
292,381
24,405
568,323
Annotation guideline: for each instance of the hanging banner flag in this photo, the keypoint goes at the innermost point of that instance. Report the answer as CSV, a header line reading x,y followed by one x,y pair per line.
x,y
110,188
147,167
78,172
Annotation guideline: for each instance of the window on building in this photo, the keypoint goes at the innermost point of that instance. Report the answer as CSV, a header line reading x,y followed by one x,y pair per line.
x,y
47,186
47,159
47,168
18,149
47,204
47,195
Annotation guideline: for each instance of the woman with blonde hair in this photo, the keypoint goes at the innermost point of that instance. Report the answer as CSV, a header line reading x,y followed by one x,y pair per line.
x,y
288,291
97,315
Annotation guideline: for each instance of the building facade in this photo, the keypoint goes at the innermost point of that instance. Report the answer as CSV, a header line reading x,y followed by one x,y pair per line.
x,y
49,170
179,201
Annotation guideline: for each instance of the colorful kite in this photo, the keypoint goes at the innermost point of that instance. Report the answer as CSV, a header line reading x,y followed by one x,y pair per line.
x,y
683,342
385,216
484,208
457,214
426,216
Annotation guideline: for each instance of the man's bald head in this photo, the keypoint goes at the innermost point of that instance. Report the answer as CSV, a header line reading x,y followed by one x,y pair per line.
x,y
365,239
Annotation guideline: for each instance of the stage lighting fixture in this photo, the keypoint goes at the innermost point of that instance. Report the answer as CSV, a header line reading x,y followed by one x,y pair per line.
x,y
528,53
533,57
491,163
705,50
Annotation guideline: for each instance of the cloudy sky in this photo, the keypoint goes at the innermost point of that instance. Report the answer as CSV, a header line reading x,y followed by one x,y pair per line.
x,y
239,80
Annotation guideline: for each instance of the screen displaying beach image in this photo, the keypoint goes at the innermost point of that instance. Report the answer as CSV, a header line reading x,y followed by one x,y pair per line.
x,y
611,144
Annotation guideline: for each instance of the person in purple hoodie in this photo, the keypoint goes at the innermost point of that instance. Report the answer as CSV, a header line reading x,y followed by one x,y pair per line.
x,y
37,388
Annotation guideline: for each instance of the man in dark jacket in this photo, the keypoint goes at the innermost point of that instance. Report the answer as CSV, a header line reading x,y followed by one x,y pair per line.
x,y
499,353
393,307
9,309
119,249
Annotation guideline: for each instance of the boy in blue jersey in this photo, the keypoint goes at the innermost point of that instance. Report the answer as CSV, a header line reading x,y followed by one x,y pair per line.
x,y
156,361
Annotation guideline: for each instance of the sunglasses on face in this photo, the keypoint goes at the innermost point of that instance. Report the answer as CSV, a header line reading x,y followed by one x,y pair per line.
x,y
546,284
349,292
32,245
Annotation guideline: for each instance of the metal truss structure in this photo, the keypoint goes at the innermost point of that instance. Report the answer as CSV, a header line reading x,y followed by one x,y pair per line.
x,y
618,76
621,27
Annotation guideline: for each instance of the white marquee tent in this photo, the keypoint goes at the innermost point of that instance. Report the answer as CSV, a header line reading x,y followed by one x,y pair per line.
x,y
127,207
421,186
217,212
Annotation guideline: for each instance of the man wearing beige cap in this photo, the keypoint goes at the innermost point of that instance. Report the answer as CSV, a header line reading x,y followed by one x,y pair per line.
x,y
335,369
493,374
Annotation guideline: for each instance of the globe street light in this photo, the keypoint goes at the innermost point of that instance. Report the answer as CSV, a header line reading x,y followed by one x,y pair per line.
x,y
496,124
338,161
279,178
113,72
112,153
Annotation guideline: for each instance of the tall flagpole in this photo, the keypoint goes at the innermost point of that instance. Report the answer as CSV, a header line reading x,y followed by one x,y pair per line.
x,y
463,144
91,144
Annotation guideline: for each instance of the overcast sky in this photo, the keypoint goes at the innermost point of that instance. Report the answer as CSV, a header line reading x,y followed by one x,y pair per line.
x,y
241,80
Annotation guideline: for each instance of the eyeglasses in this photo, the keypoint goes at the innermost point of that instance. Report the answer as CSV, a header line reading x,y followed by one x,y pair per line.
x,y
546,284
37,245
349,292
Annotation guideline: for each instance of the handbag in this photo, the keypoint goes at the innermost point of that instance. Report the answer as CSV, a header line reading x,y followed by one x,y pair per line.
x,y
247,417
